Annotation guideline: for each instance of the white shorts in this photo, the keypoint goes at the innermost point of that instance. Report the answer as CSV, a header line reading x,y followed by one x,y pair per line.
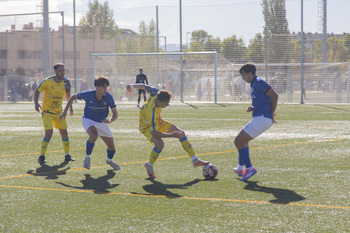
x,y
103,129
257,126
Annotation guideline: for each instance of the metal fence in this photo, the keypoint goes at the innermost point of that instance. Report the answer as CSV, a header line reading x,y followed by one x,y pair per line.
x,y
269,35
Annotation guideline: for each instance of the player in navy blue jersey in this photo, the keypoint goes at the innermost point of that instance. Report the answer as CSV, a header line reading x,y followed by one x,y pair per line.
x,y
95,122
141,78
264,103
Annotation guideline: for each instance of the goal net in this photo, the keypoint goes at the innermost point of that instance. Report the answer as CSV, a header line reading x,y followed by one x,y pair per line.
x,y
189,76
208,77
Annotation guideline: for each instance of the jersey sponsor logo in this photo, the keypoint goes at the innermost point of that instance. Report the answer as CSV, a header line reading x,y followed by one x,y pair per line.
x,y
94,108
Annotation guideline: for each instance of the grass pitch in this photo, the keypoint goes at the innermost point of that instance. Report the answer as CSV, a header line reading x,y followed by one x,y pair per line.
x,y
302,184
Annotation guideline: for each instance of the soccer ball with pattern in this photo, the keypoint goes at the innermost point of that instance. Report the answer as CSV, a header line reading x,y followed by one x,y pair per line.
x,y
210,171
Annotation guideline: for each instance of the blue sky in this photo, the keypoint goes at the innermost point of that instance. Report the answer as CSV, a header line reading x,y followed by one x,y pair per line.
x,y
221,18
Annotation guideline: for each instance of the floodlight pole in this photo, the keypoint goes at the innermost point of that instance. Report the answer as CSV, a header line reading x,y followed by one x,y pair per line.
x,y
157,43
63,55
75,50
181,60
7,67
45,40
266,42
302,54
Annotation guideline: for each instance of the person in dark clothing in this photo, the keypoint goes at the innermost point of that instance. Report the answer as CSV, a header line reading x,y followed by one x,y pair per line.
x,y
141,78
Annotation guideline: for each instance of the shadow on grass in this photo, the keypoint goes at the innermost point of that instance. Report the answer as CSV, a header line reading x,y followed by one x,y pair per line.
x,y
282,196
51,172
158,188
99,185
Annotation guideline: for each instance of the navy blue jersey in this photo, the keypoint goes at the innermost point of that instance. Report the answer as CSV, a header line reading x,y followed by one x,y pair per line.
x,y
94,109
141,78
261,102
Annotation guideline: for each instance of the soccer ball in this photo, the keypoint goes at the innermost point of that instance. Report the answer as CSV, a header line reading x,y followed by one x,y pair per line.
x,y
210,171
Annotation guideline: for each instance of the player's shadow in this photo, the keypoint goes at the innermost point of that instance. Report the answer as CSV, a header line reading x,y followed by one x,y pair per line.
x,y
51,172
99,185
158,188
282,196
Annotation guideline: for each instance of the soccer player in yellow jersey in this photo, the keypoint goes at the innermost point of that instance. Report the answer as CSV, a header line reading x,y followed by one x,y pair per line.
x,y
154,128
53,88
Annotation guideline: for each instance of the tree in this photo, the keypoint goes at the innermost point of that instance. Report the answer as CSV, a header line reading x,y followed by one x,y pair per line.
x,y
279,43
200,36
316,51
337,52
256,49
196,47
296,51
213,44
346,41
99,16
147,38
233,49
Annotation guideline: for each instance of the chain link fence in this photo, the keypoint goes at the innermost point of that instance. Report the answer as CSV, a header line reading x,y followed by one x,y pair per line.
x,y
271,39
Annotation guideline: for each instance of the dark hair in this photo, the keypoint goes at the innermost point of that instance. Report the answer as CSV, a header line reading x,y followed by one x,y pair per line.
x,y
57,65
101,81
248,67
164,96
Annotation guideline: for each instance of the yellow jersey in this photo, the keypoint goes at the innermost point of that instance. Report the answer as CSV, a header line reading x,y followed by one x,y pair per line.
x,y
53,93
150,112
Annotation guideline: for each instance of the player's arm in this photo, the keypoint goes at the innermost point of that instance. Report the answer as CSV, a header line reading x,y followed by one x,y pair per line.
x,y
67,95
141,86
36,101
274,98
114,116
146,79
68,106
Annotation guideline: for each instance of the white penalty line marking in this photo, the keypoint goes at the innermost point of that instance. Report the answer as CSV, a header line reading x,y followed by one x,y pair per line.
x,y
164,196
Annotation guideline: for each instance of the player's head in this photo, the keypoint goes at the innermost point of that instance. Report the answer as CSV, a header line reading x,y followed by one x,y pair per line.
x,y
248,68
140,69
163,98
57,65
101,81
59,70
248,71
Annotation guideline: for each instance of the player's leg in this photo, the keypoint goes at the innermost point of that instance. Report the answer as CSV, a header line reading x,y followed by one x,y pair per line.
x,y
62,127
253,129
110,152
241,143
90,129
186,145
144,96
48,127
90,143
157,149
138,100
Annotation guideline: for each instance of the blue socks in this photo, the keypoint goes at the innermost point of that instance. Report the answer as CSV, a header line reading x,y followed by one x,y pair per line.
x,y
89,147
110,153
243,158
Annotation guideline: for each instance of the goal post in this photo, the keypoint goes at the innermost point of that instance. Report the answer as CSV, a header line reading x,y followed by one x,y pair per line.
x,y
190,76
